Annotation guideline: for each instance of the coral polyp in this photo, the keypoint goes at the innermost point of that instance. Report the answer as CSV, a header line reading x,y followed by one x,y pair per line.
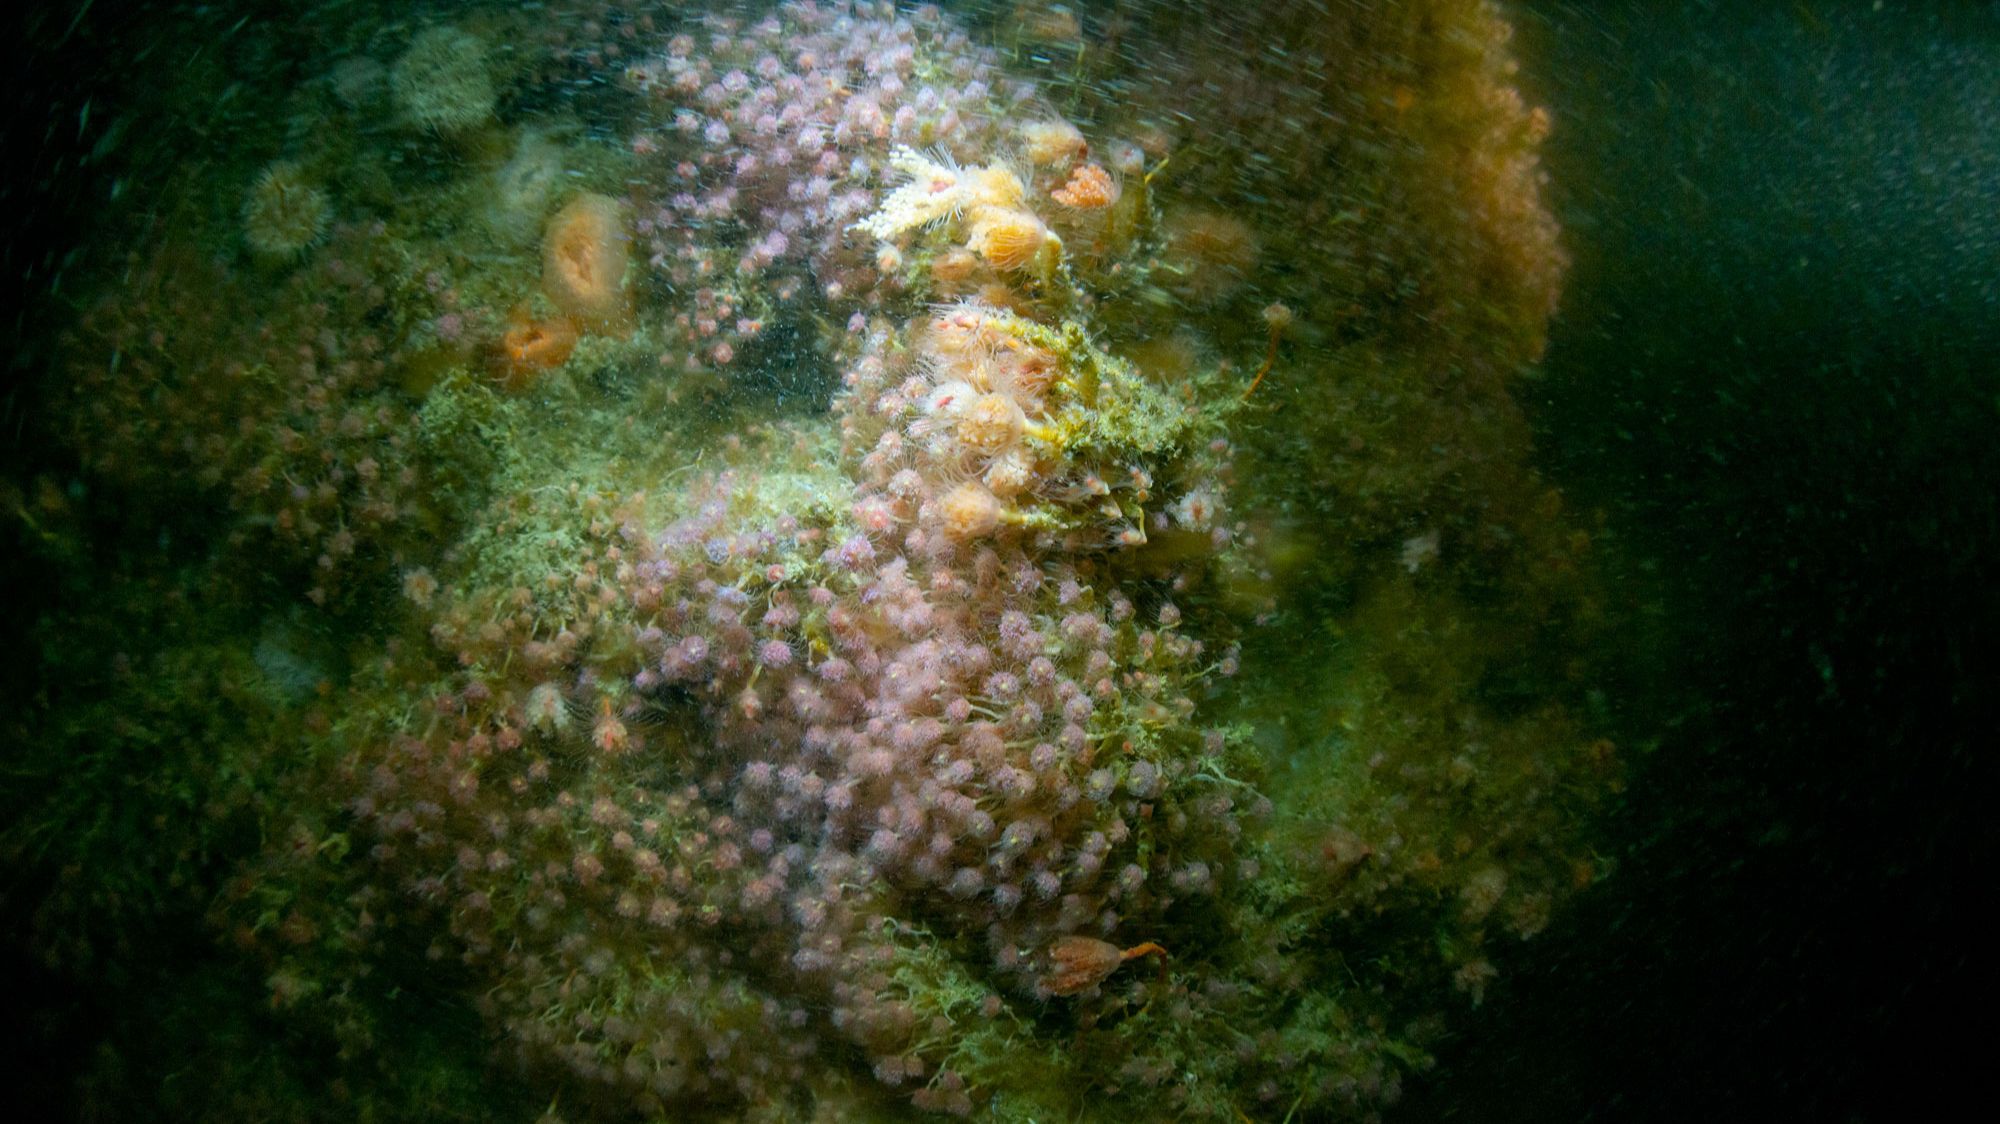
x,y
933,191
969,512
991,423
1014,240
1052,141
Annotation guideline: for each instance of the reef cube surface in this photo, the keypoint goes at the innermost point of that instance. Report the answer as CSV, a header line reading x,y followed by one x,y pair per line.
x,y
965,571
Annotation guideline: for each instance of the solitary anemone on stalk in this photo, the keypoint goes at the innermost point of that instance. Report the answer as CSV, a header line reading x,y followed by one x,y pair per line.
x,y
970,512
1012,240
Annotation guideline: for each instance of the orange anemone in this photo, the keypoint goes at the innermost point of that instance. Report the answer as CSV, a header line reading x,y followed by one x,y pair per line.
x,y
585,257
531,346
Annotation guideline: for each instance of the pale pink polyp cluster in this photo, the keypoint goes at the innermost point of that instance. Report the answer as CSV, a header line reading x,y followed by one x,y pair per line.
x,y
844,722
773,138
786,126
760,737
929,716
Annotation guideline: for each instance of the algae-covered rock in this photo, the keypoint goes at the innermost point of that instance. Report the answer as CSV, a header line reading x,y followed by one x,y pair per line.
x,y
825,565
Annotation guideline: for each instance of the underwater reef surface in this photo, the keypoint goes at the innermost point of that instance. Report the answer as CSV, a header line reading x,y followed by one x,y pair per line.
x,y
805,561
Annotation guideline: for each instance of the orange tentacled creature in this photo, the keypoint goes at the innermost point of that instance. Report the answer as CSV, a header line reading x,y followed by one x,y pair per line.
x,y
1078,964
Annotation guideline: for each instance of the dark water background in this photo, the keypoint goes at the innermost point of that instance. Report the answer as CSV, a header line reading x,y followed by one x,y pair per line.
x,y
1775,370
1776,367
